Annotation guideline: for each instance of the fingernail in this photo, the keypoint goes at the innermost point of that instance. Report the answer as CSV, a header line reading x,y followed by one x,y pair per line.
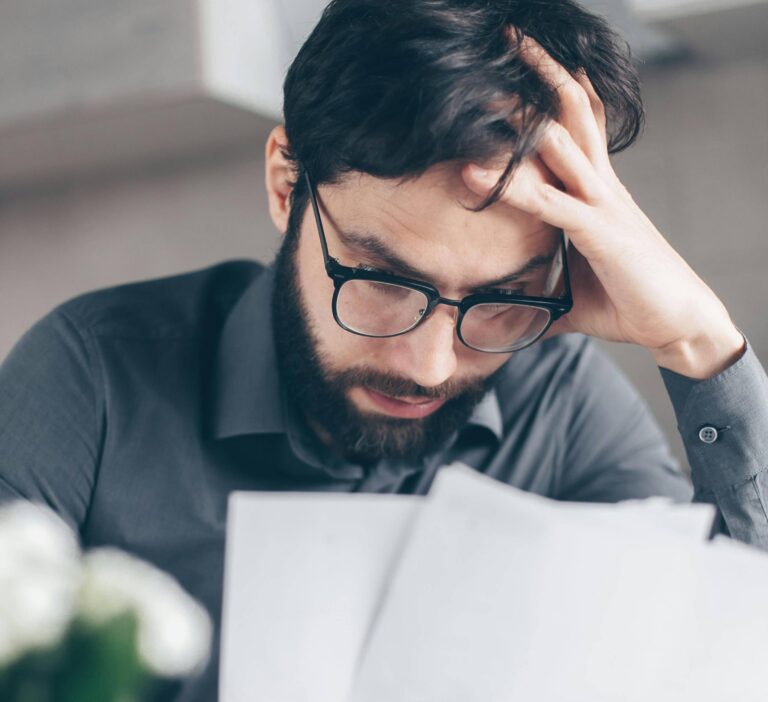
x,y
479,173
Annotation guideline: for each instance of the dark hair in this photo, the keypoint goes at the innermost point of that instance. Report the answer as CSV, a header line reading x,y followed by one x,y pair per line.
x,y
393,87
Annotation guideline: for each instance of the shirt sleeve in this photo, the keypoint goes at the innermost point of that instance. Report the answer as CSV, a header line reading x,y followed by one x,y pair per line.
x,y
50,419
614,448
723,422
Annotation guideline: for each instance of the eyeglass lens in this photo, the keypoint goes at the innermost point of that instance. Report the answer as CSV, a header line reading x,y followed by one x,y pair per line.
x,y
379,309
383,309
497,326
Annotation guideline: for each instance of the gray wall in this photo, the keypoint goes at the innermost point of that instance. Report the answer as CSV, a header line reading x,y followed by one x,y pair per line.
x,y
700,173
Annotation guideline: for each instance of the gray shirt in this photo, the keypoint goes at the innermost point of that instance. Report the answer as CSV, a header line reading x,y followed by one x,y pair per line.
x,y
135,411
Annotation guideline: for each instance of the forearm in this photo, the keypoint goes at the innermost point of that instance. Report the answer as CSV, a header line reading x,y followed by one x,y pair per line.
x,y
723,421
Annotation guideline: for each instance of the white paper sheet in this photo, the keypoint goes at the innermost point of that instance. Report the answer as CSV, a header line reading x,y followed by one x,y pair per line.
x,y
503,596
685,519
304,575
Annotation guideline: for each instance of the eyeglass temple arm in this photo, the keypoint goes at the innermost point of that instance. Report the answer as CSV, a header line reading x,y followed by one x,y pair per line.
x,y
316,209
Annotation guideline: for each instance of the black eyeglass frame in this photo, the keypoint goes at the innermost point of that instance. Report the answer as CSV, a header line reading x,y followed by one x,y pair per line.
x,y
555,307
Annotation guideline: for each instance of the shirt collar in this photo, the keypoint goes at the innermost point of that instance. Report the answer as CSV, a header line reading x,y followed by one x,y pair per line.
x,y
247,394
487,413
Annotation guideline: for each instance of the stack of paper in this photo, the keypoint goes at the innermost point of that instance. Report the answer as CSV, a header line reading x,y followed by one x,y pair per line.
x,y
484,593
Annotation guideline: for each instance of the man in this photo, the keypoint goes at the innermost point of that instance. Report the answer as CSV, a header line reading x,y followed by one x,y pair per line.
x,y
436,157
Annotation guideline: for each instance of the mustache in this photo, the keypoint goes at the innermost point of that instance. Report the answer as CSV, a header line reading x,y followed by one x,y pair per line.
x,y
396,386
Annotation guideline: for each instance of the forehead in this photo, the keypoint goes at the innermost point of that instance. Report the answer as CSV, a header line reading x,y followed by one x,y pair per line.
x,y
425,221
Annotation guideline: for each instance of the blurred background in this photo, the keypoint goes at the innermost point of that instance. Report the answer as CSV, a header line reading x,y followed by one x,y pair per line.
x,y
132,139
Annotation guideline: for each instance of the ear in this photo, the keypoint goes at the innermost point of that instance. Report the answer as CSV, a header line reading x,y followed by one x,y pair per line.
x,y
278,174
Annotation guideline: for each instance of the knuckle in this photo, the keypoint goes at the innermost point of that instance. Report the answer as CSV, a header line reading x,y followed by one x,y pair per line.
x,y
530,202
575,95
547,194
558,137
545,199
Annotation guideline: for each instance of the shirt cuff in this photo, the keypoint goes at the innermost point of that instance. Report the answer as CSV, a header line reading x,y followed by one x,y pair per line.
x,y
723,422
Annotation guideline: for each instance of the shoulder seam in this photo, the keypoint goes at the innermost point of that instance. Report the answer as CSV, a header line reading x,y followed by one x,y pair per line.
x,y
100,409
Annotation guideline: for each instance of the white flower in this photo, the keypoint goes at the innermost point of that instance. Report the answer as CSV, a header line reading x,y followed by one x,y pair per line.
x,y
44,585
174,630
39,578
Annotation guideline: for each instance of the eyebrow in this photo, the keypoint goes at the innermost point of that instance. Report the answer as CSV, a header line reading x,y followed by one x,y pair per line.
x,y
377,249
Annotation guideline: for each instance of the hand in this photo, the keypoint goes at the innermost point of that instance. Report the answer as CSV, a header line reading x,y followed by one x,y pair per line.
x,y
628,283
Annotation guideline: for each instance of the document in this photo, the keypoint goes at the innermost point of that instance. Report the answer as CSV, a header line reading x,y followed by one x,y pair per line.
x,y
304,575
483,593
501,596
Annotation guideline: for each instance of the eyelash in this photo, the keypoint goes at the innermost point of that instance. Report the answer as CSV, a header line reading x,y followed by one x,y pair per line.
x,y
520,290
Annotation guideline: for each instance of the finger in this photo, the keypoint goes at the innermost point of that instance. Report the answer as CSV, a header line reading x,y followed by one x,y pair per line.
x,y
598,108
577,108
569,164
526,191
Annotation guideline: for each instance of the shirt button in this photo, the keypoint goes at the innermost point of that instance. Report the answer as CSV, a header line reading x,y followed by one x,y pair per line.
x,y
708,435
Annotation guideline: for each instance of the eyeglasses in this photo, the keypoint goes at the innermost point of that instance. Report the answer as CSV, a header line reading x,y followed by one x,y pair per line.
x,y
380,304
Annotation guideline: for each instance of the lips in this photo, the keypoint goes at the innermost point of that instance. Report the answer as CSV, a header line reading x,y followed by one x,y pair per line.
x,y
404,407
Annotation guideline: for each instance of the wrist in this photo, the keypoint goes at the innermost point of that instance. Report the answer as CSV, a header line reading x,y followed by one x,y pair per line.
x,y
704,356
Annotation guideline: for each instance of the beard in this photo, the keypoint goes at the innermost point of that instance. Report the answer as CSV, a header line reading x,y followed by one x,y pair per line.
x,y
321,393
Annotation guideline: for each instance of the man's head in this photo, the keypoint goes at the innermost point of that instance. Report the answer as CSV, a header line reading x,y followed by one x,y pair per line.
x,y
383,105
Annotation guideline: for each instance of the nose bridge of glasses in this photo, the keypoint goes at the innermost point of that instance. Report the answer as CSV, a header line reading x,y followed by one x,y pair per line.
x,y
438,325
438,300
455,306
447,301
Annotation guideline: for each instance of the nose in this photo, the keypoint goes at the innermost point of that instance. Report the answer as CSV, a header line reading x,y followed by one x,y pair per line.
x,y
427,355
